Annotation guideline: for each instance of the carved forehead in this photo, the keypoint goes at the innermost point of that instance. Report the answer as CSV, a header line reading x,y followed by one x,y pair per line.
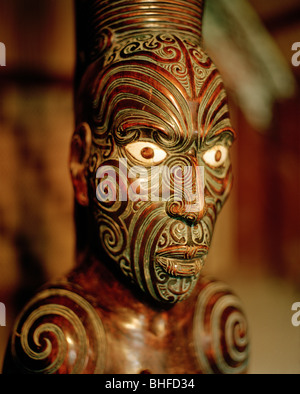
x,y
181,61
160,82
181,58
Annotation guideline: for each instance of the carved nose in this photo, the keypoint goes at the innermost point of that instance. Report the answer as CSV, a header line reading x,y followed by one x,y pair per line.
x,y
185,211
188,204
186,200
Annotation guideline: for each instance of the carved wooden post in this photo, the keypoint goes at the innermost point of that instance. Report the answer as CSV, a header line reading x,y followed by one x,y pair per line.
x,y
151,170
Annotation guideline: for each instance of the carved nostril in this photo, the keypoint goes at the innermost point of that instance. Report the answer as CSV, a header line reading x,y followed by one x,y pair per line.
x,y
181,210
174,208
191,218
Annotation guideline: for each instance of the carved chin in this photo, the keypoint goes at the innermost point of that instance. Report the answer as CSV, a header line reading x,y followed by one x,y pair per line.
x,y
173,289
175,277
164,278
162,263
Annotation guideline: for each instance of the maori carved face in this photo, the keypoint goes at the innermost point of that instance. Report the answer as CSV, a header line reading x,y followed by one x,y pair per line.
x,y
157,109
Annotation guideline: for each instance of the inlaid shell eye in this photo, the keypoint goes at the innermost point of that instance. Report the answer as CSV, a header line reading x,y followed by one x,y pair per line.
x,y
146,153
216,156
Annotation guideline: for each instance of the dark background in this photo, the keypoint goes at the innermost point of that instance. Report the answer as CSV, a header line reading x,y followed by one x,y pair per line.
x,y
256,245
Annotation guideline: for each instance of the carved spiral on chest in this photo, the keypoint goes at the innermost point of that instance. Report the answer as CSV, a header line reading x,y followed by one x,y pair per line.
x,y
59,332
220,331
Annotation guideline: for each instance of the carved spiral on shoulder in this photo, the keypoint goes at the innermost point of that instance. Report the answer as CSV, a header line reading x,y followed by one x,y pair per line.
x,y
59,332
220,331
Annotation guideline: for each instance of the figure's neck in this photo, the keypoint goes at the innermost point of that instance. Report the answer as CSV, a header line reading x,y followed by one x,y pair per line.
x,y
102,279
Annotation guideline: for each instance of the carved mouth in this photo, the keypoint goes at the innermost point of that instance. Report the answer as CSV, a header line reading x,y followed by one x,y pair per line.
x,y
182,261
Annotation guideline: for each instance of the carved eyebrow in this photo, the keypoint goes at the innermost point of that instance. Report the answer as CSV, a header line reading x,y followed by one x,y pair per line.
x,y
127,99
213,111
229,131
143,131
219,138
220,125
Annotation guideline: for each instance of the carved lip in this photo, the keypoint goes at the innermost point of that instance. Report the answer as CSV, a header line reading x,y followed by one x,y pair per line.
x,y
185,261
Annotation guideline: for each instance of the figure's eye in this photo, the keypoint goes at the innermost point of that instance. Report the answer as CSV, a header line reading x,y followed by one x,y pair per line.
x,y
146,152
216,156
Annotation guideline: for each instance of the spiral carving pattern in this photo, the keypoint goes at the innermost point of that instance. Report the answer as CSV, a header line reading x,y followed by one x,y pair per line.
x,y
59,332
220,331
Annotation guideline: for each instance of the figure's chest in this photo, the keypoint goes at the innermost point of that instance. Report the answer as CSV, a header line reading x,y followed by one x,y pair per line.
x,y
206,335
160,344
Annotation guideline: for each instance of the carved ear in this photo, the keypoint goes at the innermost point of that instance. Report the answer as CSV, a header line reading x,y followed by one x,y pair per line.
x,y
80,152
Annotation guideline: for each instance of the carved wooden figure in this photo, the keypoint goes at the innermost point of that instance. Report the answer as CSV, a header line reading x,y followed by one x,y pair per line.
x,y
151,171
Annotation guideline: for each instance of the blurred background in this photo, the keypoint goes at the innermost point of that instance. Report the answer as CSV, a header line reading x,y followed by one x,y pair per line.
x,y
256,244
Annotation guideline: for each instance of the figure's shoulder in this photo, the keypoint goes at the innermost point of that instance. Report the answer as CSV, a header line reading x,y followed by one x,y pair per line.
x,y
59,331
220,329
